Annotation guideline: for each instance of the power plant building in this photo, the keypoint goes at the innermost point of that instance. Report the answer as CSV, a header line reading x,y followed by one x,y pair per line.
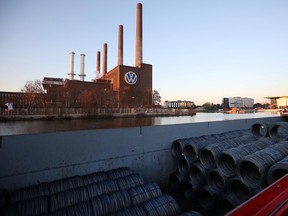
x,y
123,86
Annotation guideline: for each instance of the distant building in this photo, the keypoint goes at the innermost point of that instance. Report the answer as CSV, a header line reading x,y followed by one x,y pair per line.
x,y
238,102
21,99
179,104
278,101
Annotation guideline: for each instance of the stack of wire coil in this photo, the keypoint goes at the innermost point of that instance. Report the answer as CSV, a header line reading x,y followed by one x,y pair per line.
x,y
115,192
222,171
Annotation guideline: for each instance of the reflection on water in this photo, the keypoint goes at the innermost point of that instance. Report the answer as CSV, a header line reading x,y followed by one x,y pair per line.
x,y
27,127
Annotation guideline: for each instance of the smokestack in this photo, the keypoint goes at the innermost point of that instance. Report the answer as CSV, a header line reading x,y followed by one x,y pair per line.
x,y
120,45
82,74
138,59
71,70
98,65
104,67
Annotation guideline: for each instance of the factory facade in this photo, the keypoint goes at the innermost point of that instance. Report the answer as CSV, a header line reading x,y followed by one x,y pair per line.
x,y
123,86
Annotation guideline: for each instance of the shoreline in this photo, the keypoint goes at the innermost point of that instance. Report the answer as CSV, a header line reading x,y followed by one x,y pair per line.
x,y
4,118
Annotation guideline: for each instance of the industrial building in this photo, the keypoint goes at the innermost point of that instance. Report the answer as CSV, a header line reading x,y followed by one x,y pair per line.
x,y
238,102
123,86
279,102
179,104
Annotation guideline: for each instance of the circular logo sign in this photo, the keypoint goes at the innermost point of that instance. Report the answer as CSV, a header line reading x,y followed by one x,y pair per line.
x,y
130,78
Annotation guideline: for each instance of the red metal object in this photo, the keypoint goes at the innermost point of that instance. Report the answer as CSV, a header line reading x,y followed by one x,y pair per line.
x,y
273,200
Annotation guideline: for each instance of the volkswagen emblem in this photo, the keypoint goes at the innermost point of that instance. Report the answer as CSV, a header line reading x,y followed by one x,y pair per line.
x,y
130,78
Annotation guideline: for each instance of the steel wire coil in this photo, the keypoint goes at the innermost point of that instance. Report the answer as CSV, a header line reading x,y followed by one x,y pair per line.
x,y
3,198
206,197
191,213
130,181
132,211
110,203
260,130
228,160
197,174
216,181
278,170
119,172
253,168
102,187
28,207
65,184
30,192
210,153
177,148
225,204
189,190
279,131
60,212
163,205
80,209
94,177
144,192
175,181
239,191
68,198
192,149
183,167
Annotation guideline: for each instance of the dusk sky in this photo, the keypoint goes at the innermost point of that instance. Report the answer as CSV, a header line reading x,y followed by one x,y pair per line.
x,y
201,50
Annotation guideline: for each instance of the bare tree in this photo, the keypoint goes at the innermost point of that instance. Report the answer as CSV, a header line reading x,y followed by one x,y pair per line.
x,y
156,98
34,93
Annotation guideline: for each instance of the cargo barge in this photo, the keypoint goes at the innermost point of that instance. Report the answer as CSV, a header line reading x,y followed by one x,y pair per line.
x,y
32,159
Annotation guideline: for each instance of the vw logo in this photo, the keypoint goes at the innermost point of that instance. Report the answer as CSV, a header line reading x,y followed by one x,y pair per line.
x,y
130,78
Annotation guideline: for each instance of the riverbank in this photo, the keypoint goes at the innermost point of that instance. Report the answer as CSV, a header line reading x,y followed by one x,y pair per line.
x,y
88,116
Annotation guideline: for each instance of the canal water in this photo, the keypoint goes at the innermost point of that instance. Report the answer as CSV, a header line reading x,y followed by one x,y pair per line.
x,y
39,126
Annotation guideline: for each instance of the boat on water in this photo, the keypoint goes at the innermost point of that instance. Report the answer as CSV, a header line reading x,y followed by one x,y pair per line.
x,y
237,111
284,112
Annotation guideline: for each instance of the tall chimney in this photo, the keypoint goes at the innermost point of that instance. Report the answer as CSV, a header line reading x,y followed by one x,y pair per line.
x,y
82,74
138,59
120,45
98,65
104,67
71,70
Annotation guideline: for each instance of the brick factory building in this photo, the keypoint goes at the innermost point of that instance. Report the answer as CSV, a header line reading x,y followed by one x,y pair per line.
x,y
123,86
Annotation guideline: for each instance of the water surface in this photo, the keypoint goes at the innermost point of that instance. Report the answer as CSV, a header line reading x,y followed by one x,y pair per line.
x,y
41,126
